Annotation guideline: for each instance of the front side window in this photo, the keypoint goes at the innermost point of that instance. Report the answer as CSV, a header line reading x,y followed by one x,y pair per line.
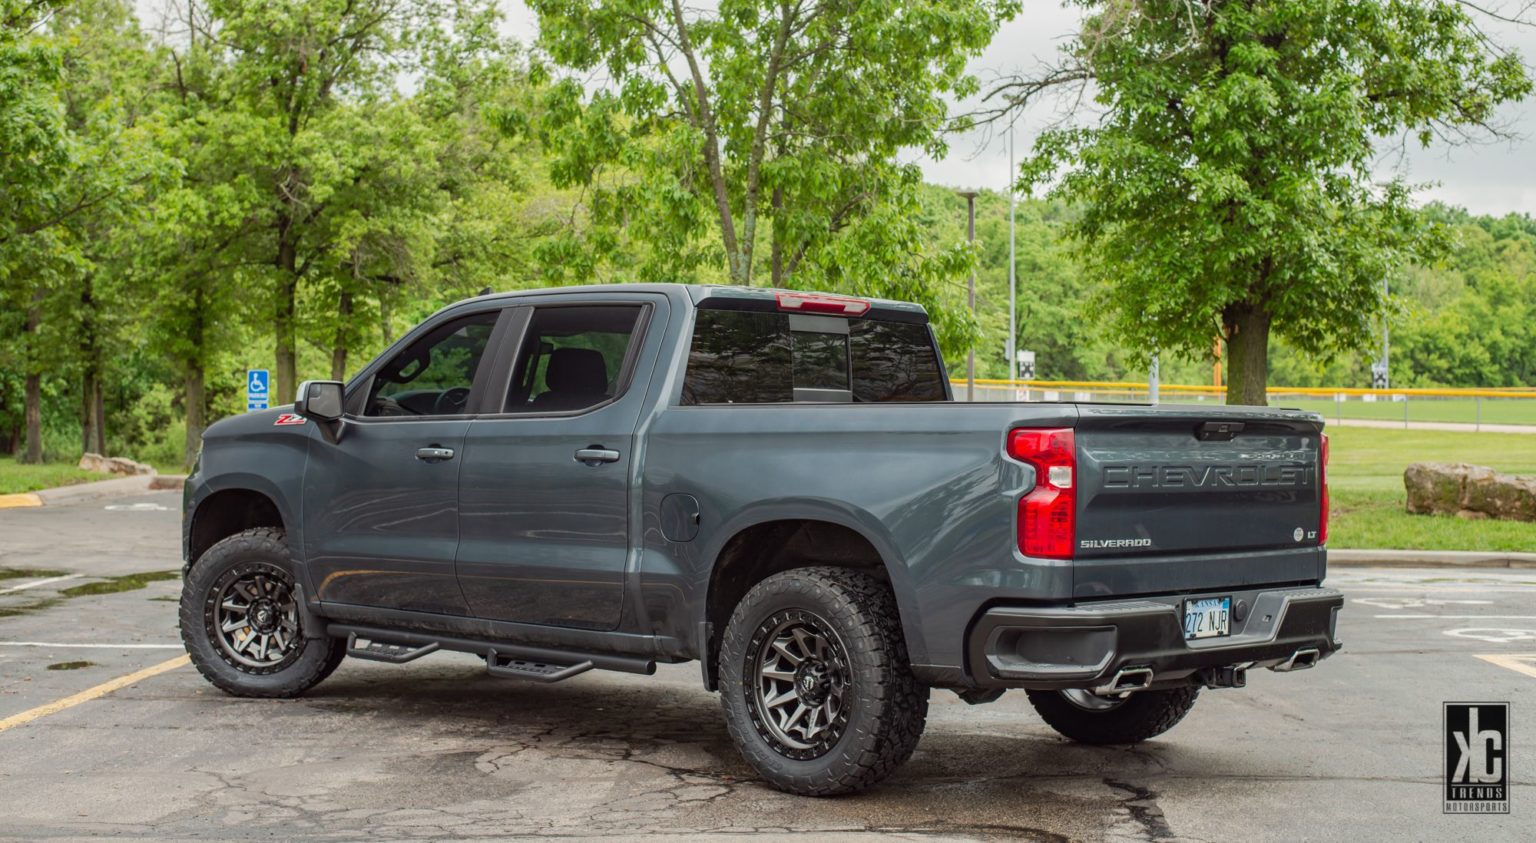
x,y
433,375
752,357
571,358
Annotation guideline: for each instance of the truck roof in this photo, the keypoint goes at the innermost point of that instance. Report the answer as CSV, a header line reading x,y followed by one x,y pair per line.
x,y
698,293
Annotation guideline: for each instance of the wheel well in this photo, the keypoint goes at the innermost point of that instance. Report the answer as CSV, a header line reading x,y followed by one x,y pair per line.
x,y
226,513
763,550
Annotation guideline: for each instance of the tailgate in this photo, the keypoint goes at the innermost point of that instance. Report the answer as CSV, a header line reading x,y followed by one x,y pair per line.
x,y
1181,497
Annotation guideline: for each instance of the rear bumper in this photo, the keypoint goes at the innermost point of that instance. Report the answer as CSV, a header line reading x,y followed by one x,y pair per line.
x,y
1086,645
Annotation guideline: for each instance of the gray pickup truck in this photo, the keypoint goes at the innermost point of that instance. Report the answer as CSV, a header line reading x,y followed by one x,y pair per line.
x,y
776,485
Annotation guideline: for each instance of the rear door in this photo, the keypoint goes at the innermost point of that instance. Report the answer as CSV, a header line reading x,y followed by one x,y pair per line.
x,y
545,484
1181,498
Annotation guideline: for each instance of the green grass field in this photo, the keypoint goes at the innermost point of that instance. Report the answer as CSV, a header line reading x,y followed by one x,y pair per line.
x,y
1365,478
1421,409
16,477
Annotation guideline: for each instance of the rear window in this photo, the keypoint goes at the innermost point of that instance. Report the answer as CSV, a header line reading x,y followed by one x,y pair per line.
x,y
747,357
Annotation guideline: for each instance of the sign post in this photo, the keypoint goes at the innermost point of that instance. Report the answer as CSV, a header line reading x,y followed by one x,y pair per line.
x,y
257,389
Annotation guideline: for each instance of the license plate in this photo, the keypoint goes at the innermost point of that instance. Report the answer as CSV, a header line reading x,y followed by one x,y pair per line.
x,y
1207,617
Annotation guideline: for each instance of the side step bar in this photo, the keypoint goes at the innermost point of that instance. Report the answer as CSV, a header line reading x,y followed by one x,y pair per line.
x,y
502,658
384,651
515,668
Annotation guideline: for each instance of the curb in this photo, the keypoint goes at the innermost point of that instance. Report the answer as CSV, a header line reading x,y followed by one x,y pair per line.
x,y
19,500
137,484
1430,559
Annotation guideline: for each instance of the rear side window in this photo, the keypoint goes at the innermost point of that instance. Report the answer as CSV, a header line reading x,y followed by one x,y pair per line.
x,y
571,358
742,357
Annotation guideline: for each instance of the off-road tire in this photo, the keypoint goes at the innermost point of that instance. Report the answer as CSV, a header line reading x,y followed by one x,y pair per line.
x,y
313,660
1142,715
884,705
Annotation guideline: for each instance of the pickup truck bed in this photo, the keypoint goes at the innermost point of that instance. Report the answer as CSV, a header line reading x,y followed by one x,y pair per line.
x,y
778,485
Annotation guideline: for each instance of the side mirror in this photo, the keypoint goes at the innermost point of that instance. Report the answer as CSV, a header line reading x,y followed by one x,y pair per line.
x,y
320,401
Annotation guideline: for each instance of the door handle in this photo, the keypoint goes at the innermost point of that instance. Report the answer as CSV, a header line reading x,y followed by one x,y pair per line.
x,y
594,456
434,454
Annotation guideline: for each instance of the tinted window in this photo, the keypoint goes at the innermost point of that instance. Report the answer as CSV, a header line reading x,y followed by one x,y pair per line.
x,y
821,359
432,376
738,358
893,361
572,358
741,357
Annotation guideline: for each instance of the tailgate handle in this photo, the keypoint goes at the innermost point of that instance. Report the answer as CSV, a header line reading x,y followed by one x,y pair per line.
x,y
1218,431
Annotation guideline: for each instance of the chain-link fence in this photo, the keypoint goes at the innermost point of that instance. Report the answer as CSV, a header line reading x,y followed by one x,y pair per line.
x,y
1476,408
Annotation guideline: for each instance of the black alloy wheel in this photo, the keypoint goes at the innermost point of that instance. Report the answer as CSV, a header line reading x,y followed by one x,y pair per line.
x,y
797,702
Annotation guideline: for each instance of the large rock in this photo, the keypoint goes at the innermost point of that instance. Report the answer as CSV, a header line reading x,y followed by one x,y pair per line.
x,y
1470,491
113,465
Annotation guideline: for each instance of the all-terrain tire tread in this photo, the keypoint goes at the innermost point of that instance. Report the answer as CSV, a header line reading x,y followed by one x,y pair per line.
x,y
864,611
1144,715
292,681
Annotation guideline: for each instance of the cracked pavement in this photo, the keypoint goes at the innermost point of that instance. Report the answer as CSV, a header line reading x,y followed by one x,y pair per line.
x,y
438,750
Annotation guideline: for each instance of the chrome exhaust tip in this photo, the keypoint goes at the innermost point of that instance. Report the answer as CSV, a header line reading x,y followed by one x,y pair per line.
x,y
1126,680
1299,660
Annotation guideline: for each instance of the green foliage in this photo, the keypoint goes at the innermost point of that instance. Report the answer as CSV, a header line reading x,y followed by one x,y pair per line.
x,y
1229,186
760,125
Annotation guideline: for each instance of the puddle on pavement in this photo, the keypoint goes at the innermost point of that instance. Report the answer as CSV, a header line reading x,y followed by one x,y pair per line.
x,y
28,573
70,665
126,582
107,585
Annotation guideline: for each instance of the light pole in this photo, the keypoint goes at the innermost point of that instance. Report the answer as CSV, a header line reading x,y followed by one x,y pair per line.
x,y
1013,330
970,238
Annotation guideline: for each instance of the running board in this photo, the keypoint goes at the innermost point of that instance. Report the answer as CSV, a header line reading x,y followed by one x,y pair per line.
x,y
510,667
379,650
501,653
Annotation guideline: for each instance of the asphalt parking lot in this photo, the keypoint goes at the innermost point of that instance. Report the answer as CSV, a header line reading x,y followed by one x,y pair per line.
x,y
436,749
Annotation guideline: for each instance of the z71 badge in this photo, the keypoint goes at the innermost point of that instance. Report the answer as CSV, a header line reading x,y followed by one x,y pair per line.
x,y
289,418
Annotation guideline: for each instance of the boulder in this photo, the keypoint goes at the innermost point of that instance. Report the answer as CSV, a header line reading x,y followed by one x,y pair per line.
x,y
1469,491
113,465
94,462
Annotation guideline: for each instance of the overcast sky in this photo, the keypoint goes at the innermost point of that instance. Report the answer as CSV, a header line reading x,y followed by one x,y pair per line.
x,y
1494,178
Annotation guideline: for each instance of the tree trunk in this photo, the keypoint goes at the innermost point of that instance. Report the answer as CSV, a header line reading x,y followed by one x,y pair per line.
x,y
33,392
286,377
90,380
34,415
196,414
287,263
1247,330
339,348
87,417
99,414
386,328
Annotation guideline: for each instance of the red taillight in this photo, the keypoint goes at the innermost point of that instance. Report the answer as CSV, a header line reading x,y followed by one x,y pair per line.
x,y
1322,484
813,303
1048,514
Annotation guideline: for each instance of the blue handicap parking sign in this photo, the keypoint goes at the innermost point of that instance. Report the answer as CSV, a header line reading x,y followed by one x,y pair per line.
x,y
257,389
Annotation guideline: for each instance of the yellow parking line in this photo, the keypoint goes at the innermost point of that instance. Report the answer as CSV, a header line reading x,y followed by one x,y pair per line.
x,y
91,693
1525,664
22,499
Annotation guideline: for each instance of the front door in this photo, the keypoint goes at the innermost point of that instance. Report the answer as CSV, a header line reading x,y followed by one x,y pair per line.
x,y
381,509
544,488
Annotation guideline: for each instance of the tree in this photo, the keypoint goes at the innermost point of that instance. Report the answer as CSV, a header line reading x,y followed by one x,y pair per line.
x,y
34,154
1228,187
310,74
760,123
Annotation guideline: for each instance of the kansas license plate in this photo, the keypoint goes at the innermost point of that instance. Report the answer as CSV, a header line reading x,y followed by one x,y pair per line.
x,y
1208,617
